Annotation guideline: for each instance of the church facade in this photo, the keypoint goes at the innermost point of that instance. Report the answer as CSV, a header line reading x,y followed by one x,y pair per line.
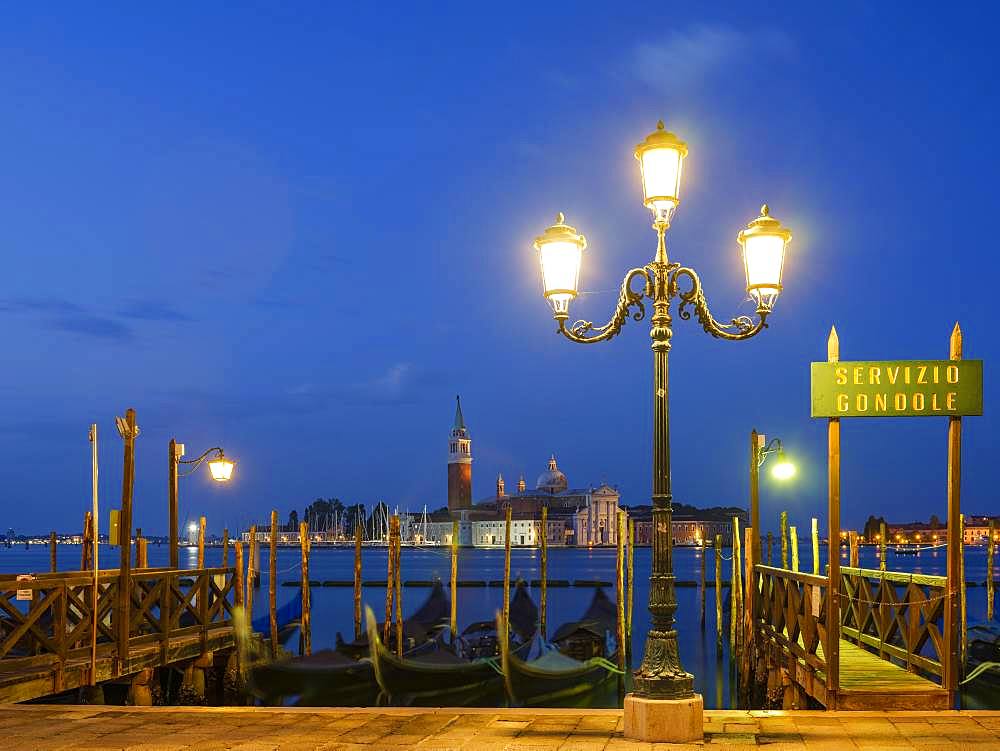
x,y
576,516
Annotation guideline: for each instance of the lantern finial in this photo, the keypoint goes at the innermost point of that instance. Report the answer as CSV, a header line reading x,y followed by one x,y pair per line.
x,y
560,218
765,210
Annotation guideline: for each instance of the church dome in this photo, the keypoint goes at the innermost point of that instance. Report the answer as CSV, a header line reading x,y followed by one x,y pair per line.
x,y
552,480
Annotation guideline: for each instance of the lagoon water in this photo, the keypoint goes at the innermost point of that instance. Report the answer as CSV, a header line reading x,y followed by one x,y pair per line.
x,y
332,607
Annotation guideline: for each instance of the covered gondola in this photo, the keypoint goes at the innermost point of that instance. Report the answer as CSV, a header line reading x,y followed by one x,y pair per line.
x,y
429,619
555,674
288,616
983,657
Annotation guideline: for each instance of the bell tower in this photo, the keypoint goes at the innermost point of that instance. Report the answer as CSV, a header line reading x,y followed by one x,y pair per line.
x,y
459,463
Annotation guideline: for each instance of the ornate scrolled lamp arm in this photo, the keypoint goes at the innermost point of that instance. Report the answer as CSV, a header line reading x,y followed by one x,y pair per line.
x,y
741,327
585,332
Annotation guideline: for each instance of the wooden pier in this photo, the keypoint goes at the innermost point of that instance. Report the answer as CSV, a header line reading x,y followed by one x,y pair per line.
x,y
161,617
890,642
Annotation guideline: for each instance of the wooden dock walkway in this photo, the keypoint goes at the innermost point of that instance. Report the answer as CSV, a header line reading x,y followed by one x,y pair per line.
x,y
892,648
49,634
48,728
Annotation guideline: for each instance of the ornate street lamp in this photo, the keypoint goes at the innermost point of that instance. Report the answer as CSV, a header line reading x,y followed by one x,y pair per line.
x,y
661,683
220,468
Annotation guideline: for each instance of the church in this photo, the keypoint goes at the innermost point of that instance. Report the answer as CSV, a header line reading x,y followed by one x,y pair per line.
x,y
576,516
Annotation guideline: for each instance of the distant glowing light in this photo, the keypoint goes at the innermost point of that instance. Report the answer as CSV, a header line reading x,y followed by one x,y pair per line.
x,y
783,469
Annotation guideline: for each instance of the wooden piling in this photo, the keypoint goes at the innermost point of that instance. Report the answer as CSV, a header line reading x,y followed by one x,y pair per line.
x,y
881,546
251,554
718,590
225,547
793,534
735,593
358,533
201,542
272,584
852,544
399,590
390,588
783,531
122,620
620,586
142,552
990,551
543,608
238,573
506,578
963,605
701,581
306,627
52,552
453,586
770,548
630,590
86,550
749,594
814,534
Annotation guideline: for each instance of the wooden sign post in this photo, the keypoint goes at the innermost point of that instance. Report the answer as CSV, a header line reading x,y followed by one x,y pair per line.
x,y
950,388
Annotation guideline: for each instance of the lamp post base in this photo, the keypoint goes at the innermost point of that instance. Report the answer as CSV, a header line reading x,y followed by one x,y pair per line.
x,y
664,720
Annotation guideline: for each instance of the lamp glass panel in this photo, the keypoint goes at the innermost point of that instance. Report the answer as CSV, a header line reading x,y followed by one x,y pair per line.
x,y
560,268
221,469
763,256
783,470
661,175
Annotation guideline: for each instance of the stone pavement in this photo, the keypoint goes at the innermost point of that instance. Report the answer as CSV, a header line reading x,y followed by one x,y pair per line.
x,y
49,727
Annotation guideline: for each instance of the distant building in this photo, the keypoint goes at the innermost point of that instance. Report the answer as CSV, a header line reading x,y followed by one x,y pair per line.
x,y
686,529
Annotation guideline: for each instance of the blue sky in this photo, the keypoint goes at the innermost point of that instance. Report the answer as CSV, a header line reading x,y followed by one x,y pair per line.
x,y
298,232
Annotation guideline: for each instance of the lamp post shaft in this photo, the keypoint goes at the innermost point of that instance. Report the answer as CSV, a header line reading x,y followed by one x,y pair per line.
x,y
172,503
661,676
755,493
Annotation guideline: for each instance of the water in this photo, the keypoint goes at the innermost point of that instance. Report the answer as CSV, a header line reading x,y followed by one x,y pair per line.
x,y
332,607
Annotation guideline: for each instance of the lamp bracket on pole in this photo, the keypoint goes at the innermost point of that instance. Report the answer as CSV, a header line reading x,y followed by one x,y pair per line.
x,y
197,462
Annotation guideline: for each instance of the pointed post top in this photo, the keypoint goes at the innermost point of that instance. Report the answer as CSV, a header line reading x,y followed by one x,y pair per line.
x,y
459,419
955,348
833,346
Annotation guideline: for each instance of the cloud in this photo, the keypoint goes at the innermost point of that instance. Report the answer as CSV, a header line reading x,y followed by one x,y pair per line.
x,y
689,57
91,325
149,310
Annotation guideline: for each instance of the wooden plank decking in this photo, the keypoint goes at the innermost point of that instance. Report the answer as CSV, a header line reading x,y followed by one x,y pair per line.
x,y
869,682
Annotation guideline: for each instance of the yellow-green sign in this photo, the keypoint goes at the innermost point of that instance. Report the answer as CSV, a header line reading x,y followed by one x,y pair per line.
x,y
897,388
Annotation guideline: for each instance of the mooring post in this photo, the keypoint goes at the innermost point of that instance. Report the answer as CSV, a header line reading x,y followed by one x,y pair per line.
x,y
306,594
390,587
749,597
770,548
453,584
506,578
783,531
701,581
881,546
815,545
251,554
201,542
272,584
735,594
630,591
544,597
990,551
358,532
718,591
127,429
225,547
793,534
852,541
964,649
620,586
399,588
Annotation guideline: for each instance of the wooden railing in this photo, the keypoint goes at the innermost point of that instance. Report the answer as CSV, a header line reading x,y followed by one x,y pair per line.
x,y
56,622
789,610
896,615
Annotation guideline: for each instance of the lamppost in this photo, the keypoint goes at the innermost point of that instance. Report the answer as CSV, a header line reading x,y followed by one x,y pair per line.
x,y
760,449
220,467
663,705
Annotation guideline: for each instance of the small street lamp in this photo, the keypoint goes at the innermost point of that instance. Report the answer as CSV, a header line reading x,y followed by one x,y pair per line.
x,y
783,469
663,689
220,468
